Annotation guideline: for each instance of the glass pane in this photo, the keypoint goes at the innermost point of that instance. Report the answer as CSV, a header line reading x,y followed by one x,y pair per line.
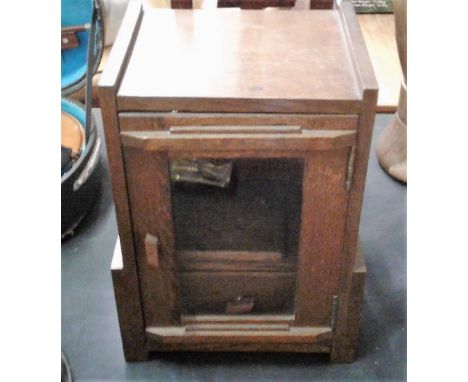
x,y
237,232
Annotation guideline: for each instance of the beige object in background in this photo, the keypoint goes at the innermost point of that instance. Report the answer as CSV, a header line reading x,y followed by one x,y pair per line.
x,y
113,11
379,33
391,145
73,135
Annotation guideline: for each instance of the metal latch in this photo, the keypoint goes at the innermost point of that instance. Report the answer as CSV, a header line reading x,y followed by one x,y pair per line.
x,y
334,311
350,168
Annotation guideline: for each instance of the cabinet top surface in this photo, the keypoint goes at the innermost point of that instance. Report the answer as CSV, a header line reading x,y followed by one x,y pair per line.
x,y
249,55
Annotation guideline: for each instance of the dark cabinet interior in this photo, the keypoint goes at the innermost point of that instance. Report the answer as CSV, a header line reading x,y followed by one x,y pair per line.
x,y
237,238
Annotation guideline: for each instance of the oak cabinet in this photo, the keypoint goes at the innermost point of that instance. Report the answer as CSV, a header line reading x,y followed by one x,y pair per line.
x,y
273,112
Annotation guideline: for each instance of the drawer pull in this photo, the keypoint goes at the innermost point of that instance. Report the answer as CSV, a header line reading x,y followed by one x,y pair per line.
x,y
273,129
151,249
241,305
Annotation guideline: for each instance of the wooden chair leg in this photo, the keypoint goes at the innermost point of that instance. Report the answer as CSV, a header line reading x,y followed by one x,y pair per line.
x,y
322,4
181,4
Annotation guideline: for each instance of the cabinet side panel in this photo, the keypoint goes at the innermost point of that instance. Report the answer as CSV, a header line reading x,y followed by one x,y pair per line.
x,y
126,280
342,343
126,284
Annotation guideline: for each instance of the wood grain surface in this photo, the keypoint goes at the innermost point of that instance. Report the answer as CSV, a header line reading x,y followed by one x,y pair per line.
x,y
321,239
240,142
163,121
150,205
227,60
379,34
272,71
126,281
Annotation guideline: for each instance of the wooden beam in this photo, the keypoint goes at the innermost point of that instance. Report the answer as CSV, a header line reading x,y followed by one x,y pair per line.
x,y
308,140
265,334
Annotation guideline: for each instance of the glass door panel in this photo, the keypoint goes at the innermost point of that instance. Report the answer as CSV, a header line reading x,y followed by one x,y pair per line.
x,y
237,226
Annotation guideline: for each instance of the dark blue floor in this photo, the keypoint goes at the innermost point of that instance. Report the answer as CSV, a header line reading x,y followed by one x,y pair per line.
x,y
91,337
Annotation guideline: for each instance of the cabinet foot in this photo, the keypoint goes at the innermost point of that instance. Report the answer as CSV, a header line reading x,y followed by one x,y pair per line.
x,y
134,355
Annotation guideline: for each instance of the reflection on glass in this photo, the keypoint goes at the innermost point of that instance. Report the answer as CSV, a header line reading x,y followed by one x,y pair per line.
x,y
245,213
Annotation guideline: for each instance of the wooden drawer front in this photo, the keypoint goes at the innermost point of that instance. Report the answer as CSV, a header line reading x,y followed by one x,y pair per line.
x,y
164,121
210,292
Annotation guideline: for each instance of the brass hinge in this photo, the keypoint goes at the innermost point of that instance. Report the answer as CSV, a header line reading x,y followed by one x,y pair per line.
x,y
334,311
350,168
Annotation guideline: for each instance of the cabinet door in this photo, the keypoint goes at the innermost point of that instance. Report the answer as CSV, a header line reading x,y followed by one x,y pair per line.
x,y
324,157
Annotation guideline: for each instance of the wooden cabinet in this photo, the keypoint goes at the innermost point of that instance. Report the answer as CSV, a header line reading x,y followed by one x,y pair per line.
x,y
270,260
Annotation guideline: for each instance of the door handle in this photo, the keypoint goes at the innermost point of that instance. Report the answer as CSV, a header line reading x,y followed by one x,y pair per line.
x,y
152,251
273,129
